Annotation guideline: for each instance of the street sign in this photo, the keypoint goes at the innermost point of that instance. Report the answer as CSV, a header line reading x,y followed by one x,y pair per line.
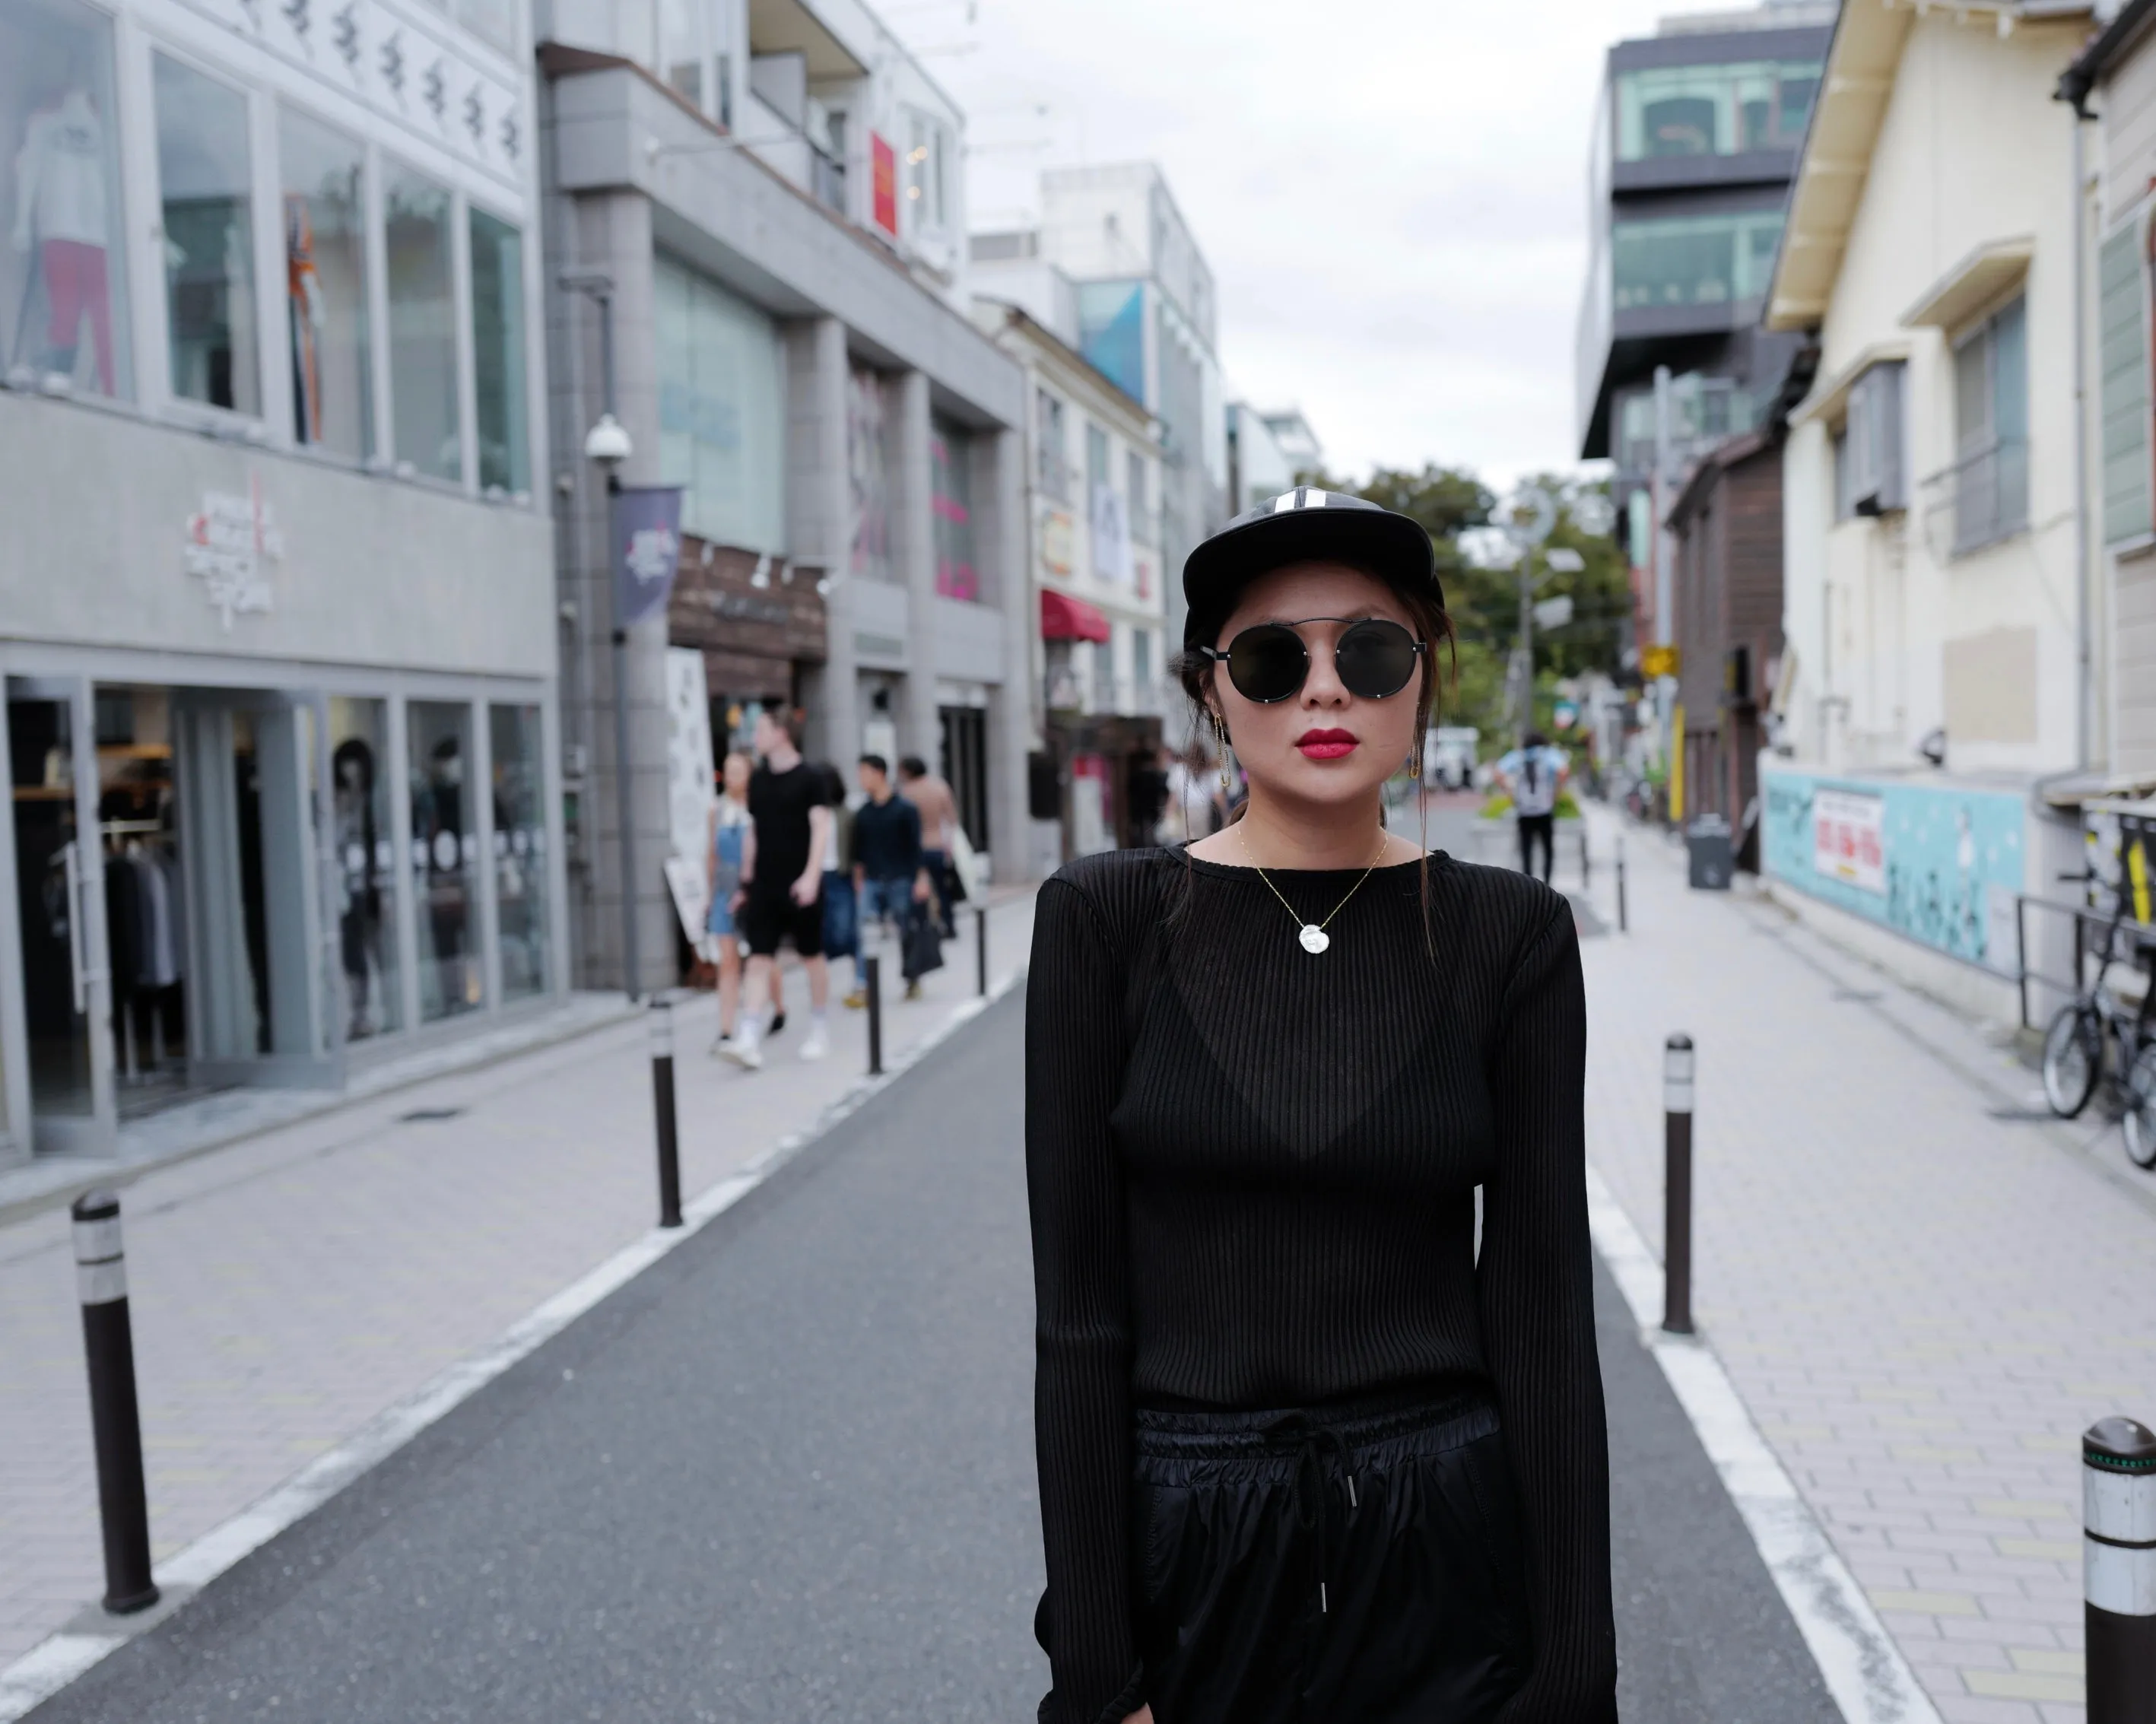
x,y
1660,661
1563,560
1554,613
1530,517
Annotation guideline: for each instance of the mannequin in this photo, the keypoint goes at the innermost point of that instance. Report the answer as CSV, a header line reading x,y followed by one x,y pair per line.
x,y
61,217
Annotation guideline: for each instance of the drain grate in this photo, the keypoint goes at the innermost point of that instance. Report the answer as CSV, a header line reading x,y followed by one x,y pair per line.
x,y
427,1115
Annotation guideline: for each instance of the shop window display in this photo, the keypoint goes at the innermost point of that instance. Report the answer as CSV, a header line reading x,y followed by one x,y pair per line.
x,y
366,903
325,286
722,410
520,850
445,859
949,452
497,269
63,285
423,326
205,180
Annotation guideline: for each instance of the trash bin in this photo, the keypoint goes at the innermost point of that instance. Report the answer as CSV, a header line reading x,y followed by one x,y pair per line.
x,y
1713,855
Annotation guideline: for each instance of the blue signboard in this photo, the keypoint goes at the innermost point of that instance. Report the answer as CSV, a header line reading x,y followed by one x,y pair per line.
x,y
1940,864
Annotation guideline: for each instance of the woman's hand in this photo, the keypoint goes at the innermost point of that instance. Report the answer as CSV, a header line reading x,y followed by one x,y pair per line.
x,y
1143,1715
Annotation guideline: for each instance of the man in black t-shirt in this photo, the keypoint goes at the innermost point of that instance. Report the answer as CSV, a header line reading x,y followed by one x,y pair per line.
x,y
782,886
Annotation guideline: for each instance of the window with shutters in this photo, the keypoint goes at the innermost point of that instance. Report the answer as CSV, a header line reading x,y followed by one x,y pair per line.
x,y
2122,368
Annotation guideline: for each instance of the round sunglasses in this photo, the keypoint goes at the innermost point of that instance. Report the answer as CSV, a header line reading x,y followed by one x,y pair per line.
x,y
1269,662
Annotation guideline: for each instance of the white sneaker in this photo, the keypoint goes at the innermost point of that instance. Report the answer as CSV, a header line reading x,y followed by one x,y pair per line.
x,y
744,1049
819,1043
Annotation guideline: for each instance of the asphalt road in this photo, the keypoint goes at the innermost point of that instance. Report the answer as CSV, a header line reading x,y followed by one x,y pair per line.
x,y
786,1474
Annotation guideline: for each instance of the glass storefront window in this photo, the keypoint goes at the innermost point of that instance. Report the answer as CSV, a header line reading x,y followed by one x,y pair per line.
x,y
204,176
950,464
64,285
1714,110
363,779
497,268
520,850
721,411
423,326
445,859
1694,260
325,285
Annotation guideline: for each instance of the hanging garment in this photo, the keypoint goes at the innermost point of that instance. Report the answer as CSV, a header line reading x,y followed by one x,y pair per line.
x,y
303,286
170,948
60,175
123,925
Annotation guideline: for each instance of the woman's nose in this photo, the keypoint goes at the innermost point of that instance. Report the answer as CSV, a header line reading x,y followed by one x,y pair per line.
x,y
1322,687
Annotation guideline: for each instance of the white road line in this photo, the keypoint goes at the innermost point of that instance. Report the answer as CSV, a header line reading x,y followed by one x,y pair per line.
x,y
60,1658
1863,1669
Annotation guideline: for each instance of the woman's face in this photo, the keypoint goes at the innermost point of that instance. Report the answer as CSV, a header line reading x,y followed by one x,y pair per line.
x,y
737,776
1322,746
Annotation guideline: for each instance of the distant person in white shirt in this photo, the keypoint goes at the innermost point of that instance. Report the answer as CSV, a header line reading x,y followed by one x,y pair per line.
x,y
1531,775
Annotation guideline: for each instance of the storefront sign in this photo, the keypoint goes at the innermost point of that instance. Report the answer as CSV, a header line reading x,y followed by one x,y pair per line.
x,y
1848,839
647,531
1058,541
230,546
1935,862
883,183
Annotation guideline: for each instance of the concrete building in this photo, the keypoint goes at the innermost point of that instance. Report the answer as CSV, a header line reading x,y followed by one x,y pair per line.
x,y
1146,318
1933,684
1260,465
1099,685
275,617
1694,141
769,196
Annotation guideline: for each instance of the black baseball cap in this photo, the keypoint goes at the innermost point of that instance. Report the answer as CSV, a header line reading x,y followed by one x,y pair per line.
x,y
1305,524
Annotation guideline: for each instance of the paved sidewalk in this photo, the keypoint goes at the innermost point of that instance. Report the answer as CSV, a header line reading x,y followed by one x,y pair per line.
x,y
1923,1293
288,1289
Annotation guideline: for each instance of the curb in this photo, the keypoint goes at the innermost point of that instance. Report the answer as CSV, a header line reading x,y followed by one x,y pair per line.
x,y
62,1657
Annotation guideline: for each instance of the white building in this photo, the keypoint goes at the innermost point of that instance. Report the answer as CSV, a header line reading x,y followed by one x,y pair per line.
x,y
769,191
1933,681
1101,646
1266,451
275,617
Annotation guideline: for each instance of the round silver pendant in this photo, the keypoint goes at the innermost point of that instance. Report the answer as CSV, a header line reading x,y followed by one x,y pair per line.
x,y
1314,938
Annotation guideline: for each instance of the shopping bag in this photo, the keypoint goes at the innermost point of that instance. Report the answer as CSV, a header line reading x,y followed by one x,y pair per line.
x,y
923,945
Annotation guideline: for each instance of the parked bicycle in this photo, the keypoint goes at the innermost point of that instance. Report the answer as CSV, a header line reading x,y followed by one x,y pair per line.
x,y
2075,1043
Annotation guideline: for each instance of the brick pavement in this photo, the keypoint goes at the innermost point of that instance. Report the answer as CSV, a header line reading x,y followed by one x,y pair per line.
x,y
288,1289
1923,1295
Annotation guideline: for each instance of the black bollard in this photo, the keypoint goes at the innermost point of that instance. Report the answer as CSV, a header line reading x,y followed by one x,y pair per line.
x,y
1676,1184
981,949
1620,883
2118,1570
662,1108
875,967
115,1418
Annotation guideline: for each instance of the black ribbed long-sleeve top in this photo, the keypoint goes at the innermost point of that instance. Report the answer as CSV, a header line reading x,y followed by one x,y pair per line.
x,y
1251,1171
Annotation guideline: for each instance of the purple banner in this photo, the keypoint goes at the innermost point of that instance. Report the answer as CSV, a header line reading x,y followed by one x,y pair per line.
x,y
646,541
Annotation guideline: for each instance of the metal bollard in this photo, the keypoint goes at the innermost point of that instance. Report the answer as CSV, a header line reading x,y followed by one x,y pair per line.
x,y
875,967
1620,883
662,1108
1676,1184
2118,1570
981,949
116,1419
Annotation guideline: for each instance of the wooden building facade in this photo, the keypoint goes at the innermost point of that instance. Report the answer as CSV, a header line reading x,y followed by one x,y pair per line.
x,y
1728,526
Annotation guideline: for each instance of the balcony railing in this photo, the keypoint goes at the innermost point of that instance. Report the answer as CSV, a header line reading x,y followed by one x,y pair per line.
x,y
1983,498
827,180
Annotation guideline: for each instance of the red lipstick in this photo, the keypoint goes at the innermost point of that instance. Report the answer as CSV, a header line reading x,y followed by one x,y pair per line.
x,y
1328,745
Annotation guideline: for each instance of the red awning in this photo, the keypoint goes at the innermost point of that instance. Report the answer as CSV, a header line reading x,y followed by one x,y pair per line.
x,y
1063,618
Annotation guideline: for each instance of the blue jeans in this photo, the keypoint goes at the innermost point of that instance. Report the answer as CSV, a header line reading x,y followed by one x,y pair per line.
x,y
881,900
839,921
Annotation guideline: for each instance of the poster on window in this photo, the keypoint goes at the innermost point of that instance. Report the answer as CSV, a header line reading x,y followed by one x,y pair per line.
x,y
883,181
1112,536
1848,839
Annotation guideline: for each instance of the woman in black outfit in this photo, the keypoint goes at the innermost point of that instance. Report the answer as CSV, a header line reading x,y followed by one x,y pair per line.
x,y
1307,1455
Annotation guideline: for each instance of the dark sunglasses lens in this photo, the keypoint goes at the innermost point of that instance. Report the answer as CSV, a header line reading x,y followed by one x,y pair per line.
x,y
1376,659
1267,663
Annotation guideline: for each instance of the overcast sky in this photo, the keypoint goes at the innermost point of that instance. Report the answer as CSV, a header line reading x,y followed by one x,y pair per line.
x,y
1392,193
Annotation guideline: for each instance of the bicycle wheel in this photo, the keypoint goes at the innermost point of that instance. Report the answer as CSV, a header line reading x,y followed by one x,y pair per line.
x,y
2073,1059
2140,1117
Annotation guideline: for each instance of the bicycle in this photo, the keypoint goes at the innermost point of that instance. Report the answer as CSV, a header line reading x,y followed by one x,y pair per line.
x,y
2075,1043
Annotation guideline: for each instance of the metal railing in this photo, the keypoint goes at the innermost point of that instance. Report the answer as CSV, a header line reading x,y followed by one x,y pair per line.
x,y
2132,963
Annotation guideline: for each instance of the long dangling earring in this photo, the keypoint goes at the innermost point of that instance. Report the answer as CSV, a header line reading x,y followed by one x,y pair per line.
x,y
1220,732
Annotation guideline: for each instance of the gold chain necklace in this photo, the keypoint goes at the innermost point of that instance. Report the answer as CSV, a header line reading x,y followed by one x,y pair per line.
x,y
1312,936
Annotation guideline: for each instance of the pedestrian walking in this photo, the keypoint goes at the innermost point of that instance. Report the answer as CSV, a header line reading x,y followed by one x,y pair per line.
x,y
841,904
939,821
890,872
1304,1454
781,895
1531,775
728,833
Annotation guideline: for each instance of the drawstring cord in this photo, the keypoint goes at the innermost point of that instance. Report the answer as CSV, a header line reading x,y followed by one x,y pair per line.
x,y
1313,1502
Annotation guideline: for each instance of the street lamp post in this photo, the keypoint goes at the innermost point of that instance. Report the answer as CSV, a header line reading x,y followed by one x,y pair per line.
x,y
607,445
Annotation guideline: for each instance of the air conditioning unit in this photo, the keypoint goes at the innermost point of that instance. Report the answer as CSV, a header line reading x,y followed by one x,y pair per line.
x,y
1878,480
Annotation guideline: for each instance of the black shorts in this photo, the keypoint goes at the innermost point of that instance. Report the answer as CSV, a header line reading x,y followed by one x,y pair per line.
x,y
764,921
1265,1578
